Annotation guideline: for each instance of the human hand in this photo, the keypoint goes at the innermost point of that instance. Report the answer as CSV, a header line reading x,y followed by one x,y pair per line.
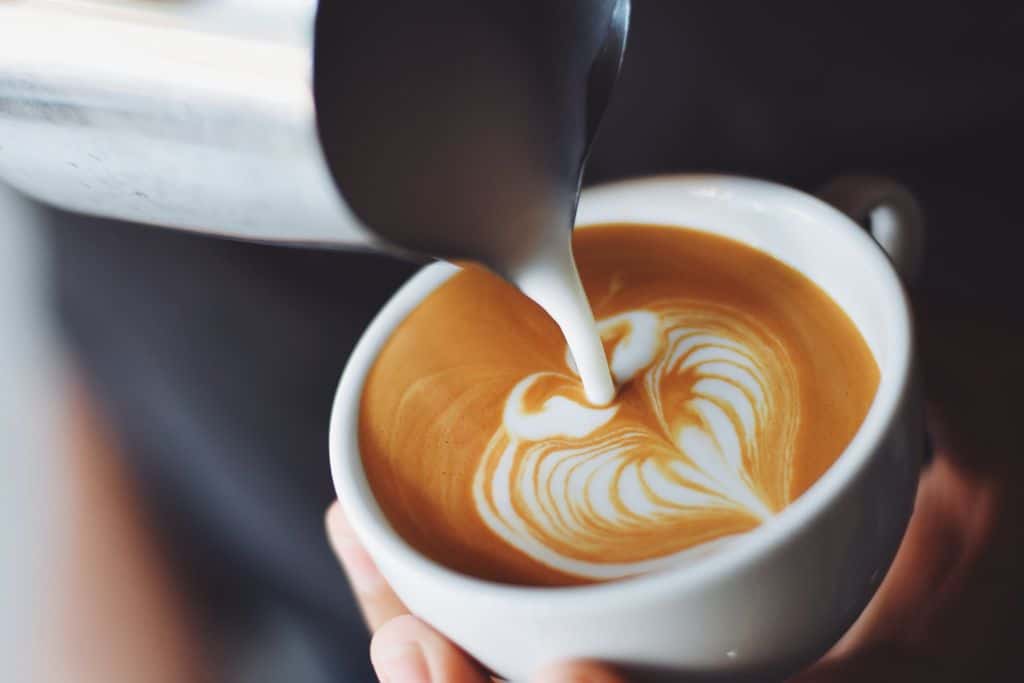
x,y
406,650
939,615
947,609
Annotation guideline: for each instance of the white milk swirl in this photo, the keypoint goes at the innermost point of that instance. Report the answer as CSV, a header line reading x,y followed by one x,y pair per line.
x,y
606,492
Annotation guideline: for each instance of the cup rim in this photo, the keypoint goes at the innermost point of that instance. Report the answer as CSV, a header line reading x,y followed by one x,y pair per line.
x,y
368,519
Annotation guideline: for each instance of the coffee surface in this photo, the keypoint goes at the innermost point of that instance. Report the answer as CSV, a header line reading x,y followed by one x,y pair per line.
x,y
739,383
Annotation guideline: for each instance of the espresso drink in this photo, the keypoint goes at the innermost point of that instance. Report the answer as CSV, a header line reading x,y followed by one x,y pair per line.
x,y
739,382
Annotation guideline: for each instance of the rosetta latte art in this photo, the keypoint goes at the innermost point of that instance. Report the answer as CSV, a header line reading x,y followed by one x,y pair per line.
x,y
738,384
697,450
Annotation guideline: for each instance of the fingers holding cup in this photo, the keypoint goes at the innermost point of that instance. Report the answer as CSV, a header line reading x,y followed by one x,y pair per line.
x,y
377,601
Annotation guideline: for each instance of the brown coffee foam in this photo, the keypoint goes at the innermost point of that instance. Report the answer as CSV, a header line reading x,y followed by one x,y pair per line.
x,y
434,399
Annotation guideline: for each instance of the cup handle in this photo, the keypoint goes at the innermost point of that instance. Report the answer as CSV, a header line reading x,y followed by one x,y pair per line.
x,y
890,214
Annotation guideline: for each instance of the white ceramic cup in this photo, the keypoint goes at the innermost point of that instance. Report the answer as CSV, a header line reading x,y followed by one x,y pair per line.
x,y
772,602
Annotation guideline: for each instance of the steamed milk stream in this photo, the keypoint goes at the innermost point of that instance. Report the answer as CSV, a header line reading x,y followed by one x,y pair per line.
x,y
551,280
738,383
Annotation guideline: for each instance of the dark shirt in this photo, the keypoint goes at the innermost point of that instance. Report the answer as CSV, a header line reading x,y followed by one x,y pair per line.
x,y
217,360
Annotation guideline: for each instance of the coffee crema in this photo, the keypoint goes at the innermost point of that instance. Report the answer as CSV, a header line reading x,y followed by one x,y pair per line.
x,y
739,383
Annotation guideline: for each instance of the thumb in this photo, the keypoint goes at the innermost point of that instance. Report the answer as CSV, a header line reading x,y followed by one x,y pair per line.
x,y
406,650
577,672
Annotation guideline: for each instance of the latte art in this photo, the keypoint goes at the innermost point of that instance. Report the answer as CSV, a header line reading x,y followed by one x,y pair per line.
x,y
592,491
738,381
